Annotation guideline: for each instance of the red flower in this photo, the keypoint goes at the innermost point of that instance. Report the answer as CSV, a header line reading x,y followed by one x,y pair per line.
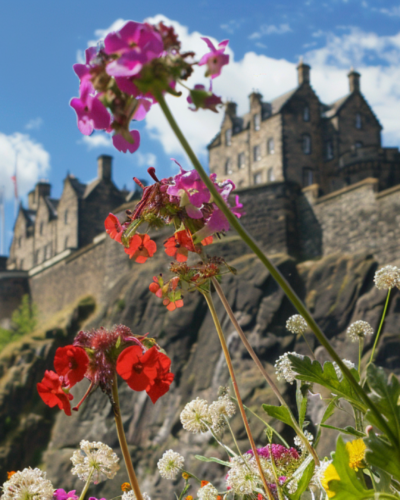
x,y
141,247
71,362
171,305
164,378
113,227
207,241
137,369
179,245
50,390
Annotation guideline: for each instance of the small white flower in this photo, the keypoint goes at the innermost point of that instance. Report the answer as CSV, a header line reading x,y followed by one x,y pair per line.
x,y
130,495
241,477
296,324
283,368
170,464
358,330
292,486
319,472
28,484
94,459
350,365
220,409
207,492
194,414
387,277
300,443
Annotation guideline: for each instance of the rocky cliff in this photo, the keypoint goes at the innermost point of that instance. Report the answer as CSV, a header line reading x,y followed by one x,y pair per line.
x,y
338,289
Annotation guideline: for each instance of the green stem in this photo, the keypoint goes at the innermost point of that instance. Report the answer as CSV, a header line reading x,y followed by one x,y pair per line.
x,y
309,347
360,350
85,489
380,327
275,273
192,475
232,434
122,441
227,448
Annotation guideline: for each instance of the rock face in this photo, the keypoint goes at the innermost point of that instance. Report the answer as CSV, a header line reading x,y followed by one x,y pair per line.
x,y
338,289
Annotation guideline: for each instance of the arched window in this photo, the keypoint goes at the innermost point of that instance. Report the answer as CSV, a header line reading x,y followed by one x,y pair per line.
x,y
329,150
241,161
271,146
306,144
306,114
256,153
228,137
270,175
257,178
228,167
358,121
257,121
308,176
66,217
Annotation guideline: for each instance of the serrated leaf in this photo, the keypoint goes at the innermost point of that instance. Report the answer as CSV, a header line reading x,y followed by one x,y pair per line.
x,y
326,376
213,459
382,454
330,410
303,482
347,430
280,413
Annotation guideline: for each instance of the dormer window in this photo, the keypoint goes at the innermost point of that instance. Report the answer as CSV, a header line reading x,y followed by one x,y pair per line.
x,y
306,144
271,146
228,137
358,121
329,150
257,121
306,114
228,167
256,153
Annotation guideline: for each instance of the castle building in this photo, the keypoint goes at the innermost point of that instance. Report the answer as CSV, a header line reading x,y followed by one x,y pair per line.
x,y
296,137
50,228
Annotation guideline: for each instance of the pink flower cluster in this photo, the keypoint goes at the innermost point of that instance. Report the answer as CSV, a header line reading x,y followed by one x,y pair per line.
x,y
119,81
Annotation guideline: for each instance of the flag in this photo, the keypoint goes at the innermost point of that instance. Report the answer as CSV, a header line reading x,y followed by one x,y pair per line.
x,y
14,179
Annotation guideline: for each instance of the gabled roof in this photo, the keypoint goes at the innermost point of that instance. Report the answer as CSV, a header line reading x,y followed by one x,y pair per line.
x,y
334,108
30,215
78,187
52,205
278,103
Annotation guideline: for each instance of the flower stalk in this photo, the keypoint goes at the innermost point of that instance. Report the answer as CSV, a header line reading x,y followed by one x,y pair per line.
x,y
380,328
275,273
85,489
122,441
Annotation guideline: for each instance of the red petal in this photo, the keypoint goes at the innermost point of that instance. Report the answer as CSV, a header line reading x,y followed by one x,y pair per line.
x,y
179,303
71,362
207,241
160,387
151,247
171,306
182,255
134,244
171,251
127,359
113,227
154,287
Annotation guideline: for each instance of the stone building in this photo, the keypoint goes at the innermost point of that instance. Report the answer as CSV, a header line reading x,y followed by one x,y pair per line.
x,y
297,138
50,229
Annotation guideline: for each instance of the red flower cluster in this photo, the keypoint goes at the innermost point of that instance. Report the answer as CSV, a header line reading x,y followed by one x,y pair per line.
x,y
172,298
181,243
96,356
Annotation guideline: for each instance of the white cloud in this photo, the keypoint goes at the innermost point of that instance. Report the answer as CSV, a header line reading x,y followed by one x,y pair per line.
x,y
97,141
231,26
270,29
393,12
261,45
34,124
32,160
145,159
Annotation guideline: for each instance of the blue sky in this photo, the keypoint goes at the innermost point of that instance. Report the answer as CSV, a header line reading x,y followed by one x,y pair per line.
x,y
41,40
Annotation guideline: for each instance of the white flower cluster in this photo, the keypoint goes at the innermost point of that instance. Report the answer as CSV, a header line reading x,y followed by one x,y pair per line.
x,y
170,464
241,477
28,484
300,443
194,415
207,492
296,324
95,460
387,277
350,365
358,330
130,495
283,368
319,472
220,410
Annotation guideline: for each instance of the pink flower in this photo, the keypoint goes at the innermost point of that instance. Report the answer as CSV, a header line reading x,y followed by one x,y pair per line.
x,y
201,98
83,70
214,59
123,145
136,44
90,110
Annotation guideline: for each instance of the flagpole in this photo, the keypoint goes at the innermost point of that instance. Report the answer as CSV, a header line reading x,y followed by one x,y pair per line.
x,y
16,187
3,228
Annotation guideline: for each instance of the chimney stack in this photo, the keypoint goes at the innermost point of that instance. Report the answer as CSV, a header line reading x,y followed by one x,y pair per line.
x,y
104,167
354,80
303,72
231,108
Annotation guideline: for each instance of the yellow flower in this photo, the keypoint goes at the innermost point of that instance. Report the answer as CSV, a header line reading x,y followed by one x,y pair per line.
x,y
126,487
185,475
356,450
330,474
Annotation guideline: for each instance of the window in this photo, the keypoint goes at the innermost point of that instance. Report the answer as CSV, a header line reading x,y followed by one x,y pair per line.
x,y
228,167
308,177
271,146
306,144
358,121
306,114
228,137
270,175
41,228
329,150
66,217
241,160
257,121
66,243
358,145
257,178
256,153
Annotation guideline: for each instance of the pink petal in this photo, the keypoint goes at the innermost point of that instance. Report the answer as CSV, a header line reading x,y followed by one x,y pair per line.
x,y
99,114
126,85
209,43
90,53
223,44
142,110
123,145
194,212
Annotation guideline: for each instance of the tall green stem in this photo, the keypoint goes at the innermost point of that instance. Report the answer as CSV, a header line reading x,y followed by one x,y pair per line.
x,y
380,327
275,273
85,489
122,441
360,350
228,359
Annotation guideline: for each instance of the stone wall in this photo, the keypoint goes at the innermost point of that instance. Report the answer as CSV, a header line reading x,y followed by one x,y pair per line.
x,y
13,285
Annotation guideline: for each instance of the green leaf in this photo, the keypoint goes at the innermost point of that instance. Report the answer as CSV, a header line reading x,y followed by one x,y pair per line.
x,y
212,459
327,377
330,410
349,487
301,400
347,430
382,454
280,413
130,232
303,483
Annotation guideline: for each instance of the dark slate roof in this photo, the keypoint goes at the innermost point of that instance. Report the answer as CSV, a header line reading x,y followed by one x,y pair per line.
x,y
52,205
334,108
77,186
278,103
30,215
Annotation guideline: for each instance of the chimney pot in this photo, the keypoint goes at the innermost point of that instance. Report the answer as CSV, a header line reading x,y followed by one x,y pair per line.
x,y
354,80
104,167
303,72
231,108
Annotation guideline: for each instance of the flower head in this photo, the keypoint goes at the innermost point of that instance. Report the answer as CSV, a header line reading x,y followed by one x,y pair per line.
x,y
350,365
179,245
53,393
95,460
63,495
359,330
71,363
329,474
356,450
201,98
141,247
296,324
283,368
241,478
28,484
170,464
207,492
215,59
387,277
194,416
319,472
300,443
113,227
90,111
220,410
130,495
127,142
